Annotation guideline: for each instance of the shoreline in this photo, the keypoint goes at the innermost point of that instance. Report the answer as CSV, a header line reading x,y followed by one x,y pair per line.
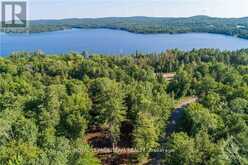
x,y
126,30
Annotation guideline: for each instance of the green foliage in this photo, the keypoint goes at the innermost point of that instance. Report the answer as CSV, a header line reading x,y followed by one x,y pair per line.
x,y
75,111
199,118
182,150
83,155
185,150
212,101
180,85
49,103
108,100
146,135
239,105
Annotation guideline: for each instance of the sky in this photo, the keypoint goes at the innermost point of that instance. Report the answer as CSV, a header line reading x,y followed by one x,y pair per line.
x,y
57,9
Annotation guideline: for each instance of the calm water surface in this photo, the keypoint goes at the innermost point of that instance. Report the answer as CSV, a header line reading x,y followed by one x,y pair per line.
x,y
114,42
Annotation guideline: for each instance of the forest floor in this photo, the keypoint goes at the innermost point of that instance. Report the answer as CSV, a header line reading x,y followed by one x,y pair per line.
x,y
101,142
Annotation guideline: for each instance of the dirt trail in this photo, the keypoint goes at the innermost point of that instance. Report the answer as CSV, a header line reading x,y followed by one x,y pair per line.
x,y
186,101
177,114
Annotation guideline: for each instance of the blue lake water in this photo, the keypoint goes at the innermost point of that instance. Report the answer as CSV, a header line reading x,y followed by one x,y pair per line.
x,y
113,42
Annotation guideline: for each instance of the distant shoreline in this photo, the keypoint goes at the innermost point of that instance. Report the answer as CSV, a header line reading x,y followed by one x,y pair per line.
x,y
236,27
125,31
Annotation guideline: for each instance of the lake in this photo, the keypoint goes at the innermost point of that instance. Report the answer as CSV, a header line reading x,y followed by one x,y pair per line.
x,y
114,41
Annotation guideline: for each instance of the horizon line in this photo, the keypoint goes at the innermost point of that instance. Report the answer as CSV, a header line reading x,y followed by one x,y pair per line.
x,y
137,16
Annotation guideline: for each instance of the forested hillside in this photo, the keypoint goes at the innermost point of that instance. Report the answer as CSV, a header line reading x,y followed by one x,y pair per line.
x,y
50,106
229,26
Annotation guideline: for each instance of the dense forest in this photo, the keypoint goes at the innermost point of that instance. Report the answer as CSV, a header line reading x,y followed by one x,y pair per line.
x,y
52,105
228,26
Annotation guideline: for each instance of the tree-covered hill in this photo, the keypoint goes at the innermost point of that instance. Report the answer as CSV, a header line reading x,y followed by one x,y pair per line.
x,y
50,104
229,26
